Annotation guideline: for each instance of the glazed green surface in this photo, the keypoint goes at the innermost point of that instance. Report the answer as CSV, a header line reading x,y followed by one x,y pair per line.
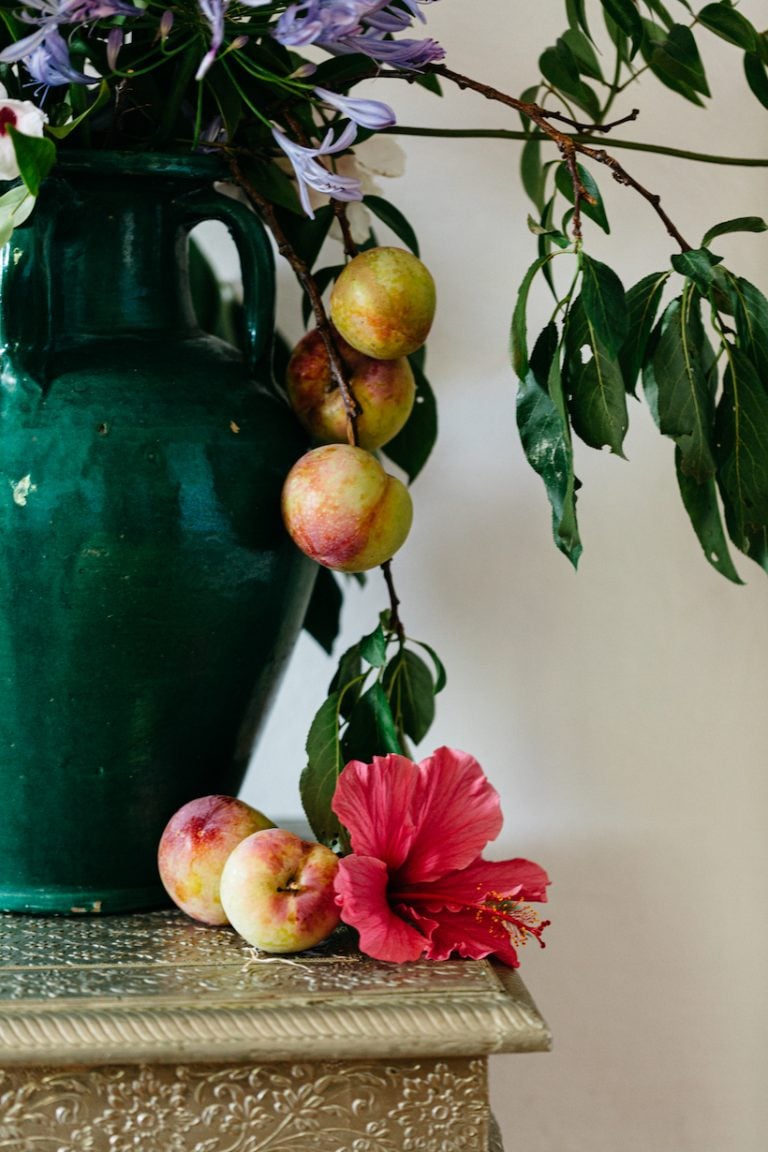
x,y
149,595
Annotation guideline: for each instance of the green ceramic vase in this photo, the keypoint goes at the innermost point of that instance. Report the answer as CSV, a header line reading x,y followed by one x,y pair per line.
x,y
149,596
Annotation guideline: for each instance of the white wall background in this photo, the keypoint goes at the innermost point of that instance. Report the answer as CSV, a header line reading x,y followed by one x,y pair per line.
x,y
621,711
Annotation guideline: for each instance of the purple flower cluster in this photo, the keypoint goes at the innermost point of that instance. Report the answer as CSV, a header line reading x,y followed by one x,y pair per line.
x,y
366,26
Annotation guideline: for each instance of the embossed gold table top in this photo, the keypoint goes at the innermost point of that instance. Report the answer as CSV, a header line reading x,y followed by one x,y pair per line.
x,y
157,988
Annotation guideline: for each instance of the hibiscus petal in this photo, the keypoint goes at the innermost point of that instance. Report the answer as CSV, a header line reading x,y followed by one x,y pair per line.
x,y
361,892
471,886
466,934
455,812
374,802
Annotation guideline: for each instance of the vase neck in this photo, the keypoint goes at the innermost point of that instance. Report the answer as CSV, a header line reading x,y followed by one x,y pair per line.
x,y
116,258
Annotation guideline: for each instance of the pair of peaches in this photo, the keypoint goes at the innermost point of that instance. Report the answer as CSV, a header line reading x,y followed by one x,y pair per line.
x,y
223,862
339,505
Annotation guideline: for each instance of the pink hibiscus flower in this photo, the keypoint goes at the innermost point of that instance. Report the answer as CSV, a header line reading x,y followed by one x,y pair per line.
x,y
415,884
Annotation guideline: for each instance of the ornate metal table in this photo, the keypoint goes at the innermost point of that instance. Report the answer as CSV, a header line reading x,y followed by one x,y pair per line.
x,y
149,1033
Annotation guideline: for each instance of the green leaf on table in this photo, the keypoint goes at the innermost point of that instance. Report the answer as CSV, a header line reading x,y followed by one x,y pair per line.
x,y
545,435
626,17
411,448
320,776
682,365
698,264
728,23
757,77
394,219
605,305
738,224
35,156
751,314
410,690
371,730
595,211
594,384
700,501
643,301
323,614
742,454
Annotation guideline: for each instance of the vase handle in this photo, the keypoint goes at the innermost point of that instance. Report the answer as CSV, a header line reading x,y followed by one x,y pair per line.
x,y
256,264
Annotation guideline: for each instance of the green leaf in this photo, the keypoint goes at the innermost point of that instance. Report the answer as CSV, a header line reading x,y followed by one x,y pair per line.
x,y
394,219
757,77
322,277
577,15
35,156
545,436
323,614
518,337
559,66
348,679
662,12
681,366
605,305
726,22
677,56
372,730
583,53
441,678
700,501
597,398
373,648
665,66
698,265
318,780
411,693
742,454
738,224
751,314
61,131
643,301
15,206
411,448
307,236
625,15
532,173
595,211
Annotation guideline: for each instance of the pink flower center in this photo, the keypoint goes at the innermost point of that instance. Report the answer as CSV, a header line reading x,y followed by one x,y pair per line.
x,y
7,116
507,917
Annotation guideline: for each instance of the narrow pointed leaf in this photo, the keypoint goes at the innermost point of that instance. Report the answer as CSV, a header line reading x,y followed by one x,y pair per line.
x,y
700,501
643,301
410,690
35,156
411,448
545,437
532,173
595,385
625,15
757,78
685,398
394,219
739,224
583,53
729,24
742,454
324,764
373,648
602,295
371,730
752,324
519,328
595,211
441,678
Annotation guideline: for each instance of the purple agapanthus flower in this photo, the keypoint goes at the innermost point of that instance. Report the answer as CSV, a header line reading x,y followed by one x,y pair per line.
x,y
49,15
49,63
366,26
214,12
310,173
373,114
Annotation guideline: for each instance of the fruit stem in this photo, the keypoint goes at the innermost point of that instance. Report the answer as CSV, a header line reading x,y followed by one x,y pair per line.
x,y
304,275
